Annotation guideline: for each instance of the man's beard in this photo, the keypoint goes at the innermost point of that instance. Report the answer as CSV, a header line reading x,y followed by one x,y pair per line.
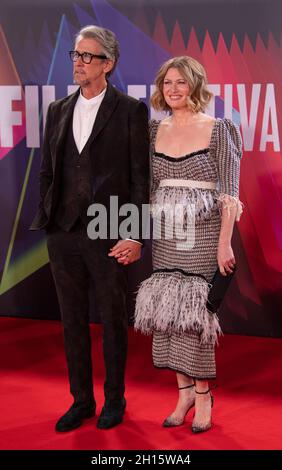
x,y
80,80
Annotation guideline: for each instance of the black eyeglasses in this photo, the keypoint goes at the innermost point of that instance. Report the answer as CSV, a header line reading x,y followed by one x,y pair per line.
x,y
85,56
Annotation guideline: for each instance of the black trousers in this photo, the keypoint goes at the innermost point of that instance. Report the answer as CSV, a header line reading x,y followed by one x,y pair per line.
x,y
75,259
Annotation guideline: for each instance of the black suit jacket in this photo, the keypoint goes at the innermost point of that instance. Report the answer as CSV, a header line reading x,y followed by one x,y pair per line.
x,y
119,152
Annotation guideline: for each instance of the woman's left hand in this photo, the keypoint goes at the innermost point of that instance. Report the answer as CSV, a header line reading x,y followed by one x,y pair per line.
x,y
225,258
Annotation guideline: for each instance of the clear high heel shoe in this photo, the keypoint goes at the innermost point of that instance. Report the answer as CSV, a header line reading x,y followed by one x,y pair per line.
x,y
197,428
172,422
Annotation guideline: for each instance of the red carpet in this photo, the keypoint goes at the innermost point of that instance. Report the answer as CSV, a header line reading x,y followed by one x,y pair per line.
x,y
34,392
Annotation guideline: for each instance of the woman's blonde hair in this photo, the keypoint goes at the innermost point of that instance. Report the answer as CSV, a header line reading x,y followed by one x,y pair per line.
x,y
194,73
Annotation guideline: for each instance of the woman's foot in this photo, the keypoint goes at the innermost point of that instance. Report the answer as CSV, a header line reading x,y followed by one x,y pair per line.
x,y
185,402
203,404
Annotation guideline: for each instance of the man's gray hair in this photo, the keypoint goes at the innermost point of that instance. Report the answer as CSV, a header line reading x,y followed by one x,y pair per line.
x,y
106,38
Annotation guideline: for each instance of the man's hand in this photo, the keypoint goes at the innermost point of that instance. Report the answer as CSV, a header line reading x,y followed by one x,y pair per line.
x,y
126,251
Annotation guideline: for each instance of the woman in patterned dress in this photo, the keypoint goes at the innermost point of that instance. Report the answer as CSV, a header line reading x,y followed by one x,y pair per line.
x,y
195,167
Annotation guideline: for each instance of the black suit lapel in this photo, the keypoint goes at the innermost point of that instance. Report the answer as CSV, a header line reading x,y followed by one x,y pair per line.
x,y
105,111
57,140
65,119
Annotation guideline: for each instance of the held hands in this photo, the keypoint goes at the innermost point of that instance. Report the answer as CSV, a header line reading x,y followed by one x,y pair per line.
x,y
225,258
126,251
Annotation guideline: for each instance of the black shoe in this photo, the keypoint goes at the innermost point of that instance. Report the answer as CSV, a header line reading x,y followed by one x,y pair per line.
x,y
112,414
74,417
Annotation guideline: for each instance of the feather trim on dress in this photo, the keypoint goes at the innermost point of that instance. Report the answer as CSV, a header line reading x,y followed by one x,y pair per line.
x,y
228,202
178,203
170,302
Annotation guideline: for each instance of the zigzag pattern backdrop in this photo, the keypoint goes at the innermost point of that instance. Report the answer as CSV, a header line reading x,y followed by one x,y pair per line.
x,y
246,80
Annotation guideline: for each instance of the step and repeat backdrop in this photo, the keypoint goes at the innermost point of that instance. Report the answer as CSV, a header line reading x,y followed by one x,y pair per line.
x,y
239,43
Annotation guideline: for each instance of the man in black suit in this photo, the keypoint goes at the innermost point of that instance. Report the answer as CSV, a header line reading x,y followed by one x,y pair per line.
x,y
95,146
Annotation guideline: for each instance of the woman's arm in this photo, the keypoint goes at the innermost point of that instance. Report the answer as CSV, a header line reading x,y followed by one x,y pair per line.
x,y
225,255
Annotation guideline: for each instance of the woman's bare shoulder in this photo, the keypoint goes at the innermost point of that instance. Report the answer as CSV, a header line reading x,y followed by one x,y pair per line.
x,y
206,119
